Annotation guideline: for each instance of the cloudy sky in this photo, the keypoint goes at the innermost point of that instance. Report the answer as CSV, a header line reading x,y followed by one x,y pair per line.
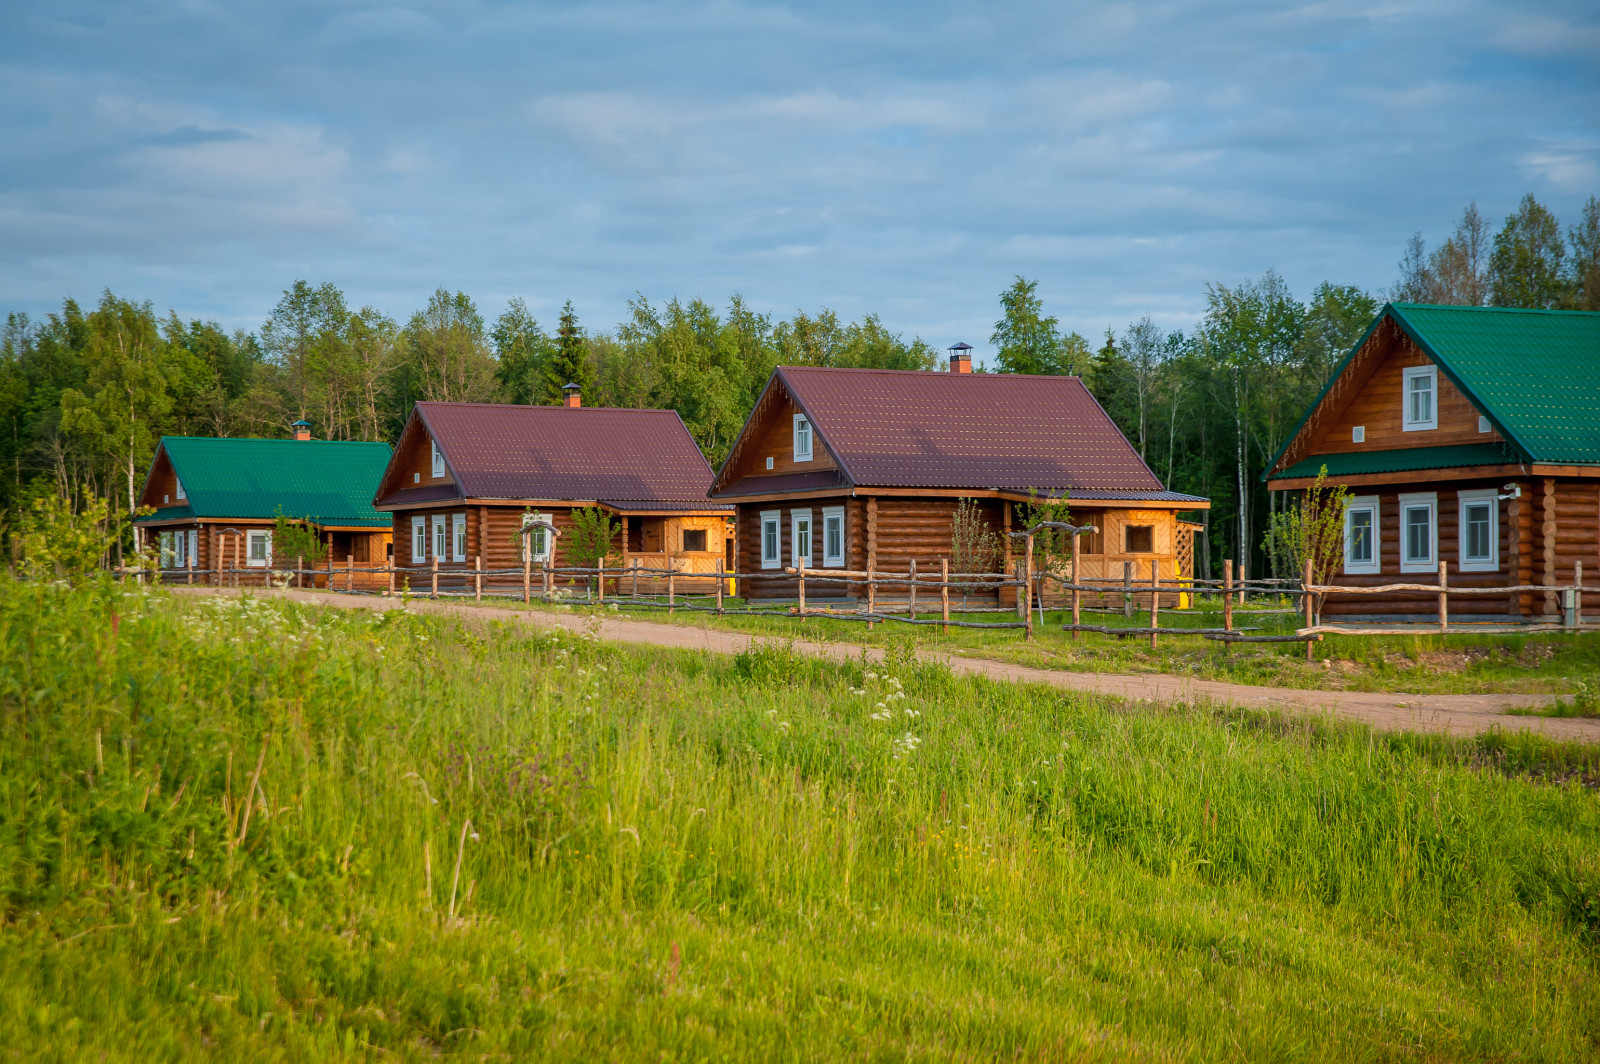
x,y
900,158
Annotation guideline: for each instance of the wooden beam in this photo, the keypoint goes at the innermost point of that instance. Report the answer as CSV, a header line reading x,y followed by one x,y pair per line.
x,y
1412,476
1547,535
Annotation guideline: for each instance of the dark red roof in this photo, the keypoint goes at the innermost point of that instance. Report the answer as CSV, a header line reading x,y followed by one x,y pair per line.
x,y
1000,431
631,459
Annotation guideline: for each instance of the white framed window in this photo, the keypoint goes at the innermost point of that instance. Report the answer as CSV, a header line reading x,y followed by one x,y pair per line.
x,y
458,537
177,487
1419,532
1480,531
1421,398
438,458
1358,434
419,539
771,524
802,438
258,548
1483,426
536,544
194,546
800,538
833,536
1361,547
166,550
441,536
180,543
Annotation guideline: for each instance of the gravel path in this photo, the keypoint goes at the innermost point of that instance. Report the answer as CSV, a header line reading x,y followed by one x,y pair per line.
x,y
1450,714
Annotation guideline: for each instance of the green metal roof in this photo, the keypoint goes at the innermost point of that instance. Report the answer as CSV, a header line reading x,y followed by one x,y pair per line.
x,y
331,482
1534,373
170,513
1357,463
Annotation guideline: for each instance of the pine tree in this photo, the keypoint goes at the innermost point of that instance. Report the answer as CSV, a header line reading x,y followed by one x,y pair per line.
x,y
569,364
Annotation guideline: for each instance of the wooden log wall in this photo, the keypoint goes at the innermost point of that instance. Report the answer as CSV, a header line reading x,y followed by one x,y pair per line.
x,y
1555,524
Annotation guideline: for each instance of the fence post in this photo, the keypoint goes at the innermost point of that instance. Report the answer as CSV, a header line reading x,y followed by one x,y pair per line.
x,y
191,565
1077,595
1577,596
1306,602
547,580
719,584
1444,602
911,594
350,571
601,573
1127,591
1027,590
477,578
435,591
944,592
1155,598
527,568
1227,601
330,561
633,590
872,596
672,597
802,573
390,570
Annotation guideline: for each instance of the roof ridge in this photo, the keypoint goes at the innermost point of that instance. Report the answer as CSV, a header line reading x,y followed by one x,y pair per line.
x,y
931,372
554,406
1557,311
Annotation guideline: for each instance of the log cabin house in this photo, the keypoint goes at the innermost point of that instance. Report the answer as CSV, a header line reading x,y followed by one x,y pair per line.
x,y
863,468
1468,435
464,474
216,502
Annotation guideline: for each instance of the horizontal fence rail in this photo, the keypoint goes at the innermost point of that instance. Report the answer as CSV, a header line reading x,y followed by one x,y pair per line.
x,y
918,591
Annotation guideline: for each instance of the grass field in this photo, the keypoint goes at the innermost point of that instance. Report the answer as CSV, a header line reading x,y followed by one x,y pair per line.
x,y
470,839
1554,664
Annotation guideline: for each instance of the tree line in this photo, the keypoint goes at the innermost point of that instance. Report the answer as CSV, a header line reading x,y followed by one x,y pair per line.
x,y
87,392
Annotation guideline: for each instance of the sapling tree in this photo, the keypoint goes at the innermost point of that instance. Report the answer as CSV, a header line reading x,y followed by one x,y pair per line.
x,y
294,537
589,539
1311,530
974,546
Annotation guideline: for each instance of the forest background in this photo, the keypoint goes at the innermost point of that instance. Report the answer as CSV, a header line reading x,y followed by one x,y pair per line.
x,y
86,394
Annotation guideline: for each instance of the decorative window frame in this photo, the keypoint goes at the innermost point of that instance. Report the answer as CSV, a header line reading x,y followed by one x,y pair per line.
x,y
795,554
1478,497
440,536
536,544
419,539
1412,501
437,456
194,546
250,539
830,560
1369,504
1411,373
805,431
166,551
458,537
772,519
177,489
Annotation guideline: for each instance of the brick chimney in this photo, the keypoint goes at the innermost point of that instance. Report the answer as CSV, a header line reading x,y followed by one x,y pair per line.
x,y
960,358
574,396
302,429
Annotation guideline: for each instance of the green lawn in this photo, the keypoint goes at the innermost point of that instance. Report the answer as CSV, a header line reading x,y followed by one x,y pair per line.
x,y
1455,664
666,855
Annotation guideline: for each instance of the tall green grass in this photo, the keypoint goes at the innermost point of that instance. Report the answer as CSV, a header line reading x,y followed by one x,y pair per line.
x,y
476,838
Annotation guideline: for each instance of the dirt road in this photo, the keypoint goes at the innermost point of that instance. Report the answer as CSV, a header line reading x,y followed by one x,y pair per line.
x,y
1450,714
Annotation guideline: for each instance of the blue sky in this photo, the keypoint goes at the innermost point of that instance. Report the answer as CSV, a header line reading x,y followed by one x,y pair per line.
x,y
904,159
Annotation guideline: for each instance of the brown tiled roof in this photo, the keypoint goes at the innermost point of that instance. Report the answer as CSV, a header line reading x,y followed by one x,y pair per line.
x,y
1008,432
498,451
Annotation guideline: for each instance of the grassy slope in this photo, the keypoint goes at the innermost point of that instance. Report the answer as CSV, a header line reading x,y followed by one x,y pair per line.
x,y
1457,664
678,855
